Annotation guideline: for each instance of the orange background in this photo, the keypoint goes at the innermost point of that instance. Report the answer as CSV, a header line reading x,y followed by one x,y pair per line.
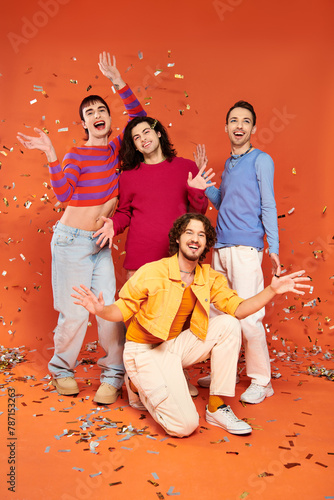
x,y
278,56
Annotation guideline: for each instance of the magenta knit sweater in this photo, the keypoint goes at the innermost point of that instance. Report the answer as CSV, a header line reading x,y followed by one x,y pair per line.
x,y
151,197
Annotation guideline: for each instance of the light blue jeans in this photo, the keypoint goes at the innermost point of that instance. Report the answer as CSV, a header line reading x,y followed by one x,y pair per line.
x,y
77,260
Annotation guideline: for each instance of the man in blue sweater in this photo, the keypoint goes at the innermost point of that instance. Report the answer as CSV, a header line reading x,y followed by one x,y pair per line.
x,y
246,212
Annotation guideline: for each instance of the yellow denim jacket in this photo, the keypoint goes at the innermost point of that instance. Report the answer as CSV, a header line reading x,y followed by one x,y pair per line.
x,y
154,293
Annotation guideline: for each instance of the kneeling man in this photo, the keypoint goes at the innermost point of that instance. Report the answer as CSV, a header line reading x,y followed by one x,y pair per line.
x,y
168,302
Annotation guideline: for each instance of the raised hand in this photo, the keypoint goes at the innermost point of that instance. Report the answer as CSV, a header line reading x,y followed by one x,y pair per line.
x,y
200,157
88,300
202,179
41,142
110,70
290,283
105,233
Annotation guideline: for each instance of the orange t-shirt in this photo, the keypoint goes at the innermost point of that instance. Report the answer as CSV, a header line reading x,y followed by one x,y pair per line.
x,y
136,333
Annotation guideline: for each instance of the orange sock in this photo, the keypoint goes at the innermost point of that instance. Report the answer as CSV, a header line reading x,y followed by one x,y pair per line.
x,y
214,403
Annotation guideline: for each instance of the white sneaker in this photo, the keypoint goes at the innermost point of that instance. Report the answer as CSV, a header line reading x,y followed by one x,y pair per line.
x,y
256,393
225,418
206,381
134,399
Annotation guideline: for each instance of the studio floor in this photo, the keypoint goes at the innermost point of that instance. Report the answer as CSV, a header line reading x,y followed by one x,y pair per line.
x,y
69,448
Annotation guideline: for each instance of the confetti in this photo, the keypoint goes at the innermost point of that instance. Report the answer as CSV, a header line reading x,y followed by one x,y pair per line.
x,y
152,482
178,76
74,81
140,54
170,492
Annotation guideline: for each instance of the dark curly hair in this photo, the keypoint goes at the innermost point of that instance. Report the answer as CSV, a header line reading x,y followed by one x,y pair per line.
x,y
129,156
179,228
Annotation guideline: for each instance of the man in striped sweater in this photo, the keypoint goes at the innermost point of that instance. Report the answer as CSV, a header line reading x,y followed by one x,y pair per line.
x,y
88,183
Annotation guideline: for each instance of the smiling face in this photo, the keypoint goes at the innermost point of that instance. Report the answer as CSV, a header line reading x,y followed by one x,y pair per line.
x,y
239,128
97,122
192,241
146,141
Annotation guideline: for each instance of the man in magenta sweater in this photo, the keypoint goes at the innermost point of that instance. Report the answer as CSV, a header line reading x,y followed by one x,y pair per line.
x,y
156,187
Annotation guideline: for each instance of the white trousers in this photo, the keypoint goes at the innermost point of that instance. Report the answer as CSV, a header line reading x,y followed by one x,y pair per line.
x,y
157,372
241,265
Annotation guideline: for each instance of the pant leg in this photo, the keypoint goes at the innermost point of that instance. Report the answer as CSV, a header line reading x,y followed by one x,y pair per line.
x,y
158,376
71,265
242,266
111,335
157,372
222,345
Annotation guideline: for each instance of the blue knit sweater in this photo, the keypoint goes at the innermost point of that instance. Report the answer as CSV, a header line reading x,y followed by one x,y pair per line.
x,y
245,202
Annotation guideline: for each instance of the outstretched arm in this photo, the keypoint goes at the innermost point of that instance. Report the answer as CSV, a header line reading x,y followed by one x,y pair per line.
x,y
289,283
110,70
42,142
95,305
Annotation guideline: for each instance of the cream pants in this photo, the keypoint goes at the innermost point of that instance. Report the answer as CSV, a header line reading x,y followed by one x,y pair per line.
x,y
241,266
157,372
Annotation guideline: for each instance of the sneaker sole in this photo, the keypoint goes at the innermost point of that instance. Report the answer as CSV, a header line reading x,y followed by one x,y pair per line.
x,y
65,392
231,431
268,395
